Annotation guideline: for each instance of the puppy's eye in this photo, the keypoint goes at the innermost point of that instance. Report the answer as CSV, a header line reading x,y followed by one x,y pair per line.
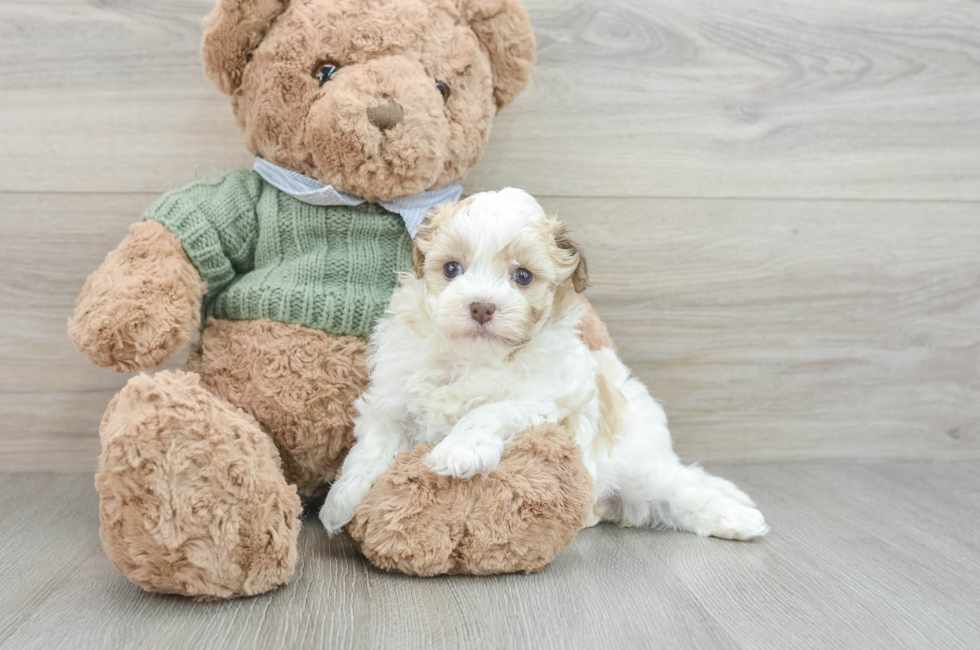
x,y
443,89
324,72
523,277
452,269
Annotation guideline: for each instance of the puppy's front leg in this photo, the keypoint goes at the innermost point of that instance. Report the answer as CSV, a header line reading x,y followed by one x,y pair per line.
x,y
477,442
378,442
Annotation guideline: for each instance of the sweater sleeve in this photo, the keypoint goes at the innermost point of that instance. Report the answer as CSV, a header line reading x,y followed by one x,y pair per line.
x,y
216,223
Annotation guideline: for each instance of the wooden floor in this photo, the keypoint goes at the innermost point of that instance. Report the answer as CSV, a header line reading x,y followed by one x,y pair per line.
x,y
860,556
779,200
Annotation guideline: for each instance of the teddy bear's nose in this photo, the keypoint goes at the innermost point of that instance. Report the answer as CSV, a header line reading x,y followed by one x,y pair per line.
x,y
386,115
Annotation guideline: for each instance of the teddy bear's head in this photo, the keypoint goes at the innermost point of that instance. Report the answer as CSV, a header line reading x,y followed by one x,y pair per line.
x,y
380,98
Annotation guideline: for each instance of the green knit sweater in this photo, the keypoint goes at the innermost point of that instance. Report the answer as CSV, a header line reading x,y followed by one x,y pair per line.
x,y
265,254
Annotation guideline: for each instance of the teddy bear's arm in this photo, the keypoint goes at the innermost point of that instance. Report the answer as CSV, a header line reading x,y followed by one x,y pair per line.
x,y
141,304
217,224
144,301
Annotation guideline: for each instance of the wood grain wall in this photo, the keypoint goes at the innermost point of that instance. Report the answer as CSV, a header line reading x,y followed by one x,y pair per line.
x,y
780,200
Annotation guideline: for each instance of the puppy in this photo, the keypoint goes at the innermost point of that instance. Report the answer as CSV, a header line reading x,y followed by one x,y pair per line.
x,y
482,343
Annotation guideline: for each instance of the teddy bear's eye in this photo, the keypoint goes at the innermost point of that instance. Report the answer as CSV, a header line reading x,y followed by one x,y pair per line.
x,y
443,89
325,72
452,269
523,277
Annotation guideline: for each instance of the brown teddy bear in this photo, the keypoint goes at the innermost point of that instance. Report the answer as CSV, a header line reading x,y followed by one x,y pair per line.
x,y
362,115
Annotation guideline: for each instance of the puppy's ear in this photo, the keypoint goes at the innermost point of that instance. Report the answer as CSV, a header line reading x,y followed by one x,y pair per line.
x,y
423,239
435,218
231,31
572,257
503,28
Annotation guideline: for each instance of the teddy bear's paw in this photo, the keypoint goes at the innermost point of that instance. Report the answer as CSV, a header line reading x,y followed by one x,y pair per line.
x,y
465,456
142,304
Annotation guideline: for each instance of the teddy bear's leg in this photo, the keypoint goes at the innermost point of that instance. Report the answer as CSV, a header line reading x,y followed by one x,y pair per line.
x,y
299,383
192,498
515,519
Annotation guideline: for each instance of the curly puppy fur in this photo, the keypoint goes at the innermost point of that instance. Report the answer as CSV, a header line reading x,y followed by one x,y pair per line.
x,y
389,53
142,303
300,384
592,330
192,498
468,360
515,519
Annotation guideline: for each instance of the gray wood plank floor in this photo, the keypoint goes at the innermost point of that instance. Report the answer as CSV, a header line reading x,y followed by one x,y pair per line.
x,y
880,555
778,200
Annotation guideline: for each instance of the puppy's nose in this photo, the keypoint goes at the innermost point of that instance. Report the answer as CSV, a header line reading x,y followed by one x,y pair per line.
x,y
482,312
385,115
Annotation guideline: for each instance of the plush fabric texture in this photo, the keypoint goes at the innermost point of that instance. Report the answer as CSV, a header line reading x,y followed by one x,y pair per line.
x,y
502,25
515,519
141,304
300,384
192,498
265,254
389,54
231,32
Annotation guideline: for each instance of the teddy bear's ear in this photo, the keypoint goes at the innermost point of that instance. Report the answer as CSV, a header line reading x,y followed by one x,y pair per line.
x,y
231,31
505,31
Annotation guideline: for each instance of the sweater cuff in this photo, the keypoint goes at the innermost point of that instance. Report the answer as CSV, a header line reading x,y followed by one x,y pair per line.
x,y
198,238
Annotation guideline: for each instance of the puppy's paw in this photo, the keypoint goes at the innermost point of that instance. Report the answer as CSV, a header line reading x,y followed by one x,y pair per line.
x,y
465,456
337,510
730,519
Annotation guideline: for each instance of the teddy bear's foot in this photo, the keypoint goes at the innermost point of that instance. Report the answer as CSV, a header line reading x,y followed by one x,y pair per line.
x,y
514,519
193,501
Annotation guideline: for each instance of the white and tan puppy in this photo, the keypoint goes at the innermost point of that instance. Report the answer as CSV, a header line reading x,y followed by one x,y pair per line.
x,y
482,343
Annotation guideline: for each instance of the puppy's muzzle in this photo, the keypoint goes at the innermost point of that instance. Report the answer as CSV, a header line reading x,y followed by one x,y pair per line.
x,y
482,312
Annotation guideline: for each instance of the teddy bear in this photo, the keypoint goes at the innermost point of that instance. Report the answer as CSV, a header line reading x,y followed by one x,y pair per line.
x,y
362,116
